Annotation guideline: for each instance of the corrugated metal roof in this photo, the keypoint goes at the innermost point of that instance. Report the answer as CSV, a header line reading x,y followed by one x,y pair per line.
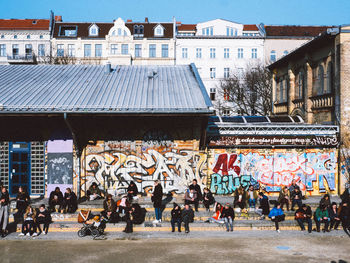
x,y
89,89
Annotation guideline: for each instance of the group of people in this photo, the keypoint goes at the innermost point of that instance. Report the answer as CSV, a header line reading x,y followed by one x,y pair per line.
x,y
66,203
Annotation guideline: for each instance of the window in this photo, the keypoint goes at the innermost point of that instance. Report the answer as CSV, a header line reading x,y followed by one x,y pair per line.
x,y
226,73
87,50
98,50
226,53
125,49
15,36
212,93
152,50
198,53
329,78
212,52
138,50
283,91
285,52
28,36
159,31
240,53
41,50
60,50
93,30
71,50
208,31
226,112
2,50
212,73
28,51
230,31
184,52
68,31
2,36
299,92
273,56
254,53
138,30
165,50
41,36
320,80
114,49
15,51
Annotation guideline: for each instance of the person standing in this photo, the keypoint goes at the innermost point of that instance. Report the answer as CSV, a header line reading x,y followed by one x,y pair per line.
x,y
228,214
176,218
156,198
187,217
4,209
304,215
22,201
276,215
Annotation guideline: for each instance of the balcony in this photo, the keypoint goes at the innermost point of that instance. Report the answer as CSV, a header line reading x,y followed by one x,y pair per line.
x,y
298,103
27,58
322,101
281,108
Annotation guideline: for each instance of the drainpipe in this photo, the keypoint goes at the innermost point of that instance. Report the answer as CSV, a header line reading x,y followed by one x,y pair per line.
x,y
77,150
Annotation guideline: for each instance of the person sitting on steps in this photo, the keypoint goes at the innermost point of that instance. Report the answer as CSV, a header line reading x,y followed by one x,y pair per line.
x,y
228,214
56,200
304,215
187,217
191,197
276,215
176,217
208,198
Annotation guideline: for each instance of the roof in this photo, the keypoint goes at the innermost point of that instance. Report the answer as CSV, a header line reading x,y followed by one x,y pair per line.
x,y
294,31
149,29
90,89
187,27
83,29
250,28
24,24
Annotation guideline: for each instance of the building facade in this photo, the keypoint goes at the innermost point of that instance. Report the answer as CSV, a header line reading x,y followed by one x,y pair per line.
x,y
312,82
120,43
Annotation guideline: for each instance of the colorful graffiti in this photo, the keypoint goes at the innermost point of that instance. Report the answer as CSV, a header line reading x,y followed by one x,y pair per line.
x,y
112,165
314,169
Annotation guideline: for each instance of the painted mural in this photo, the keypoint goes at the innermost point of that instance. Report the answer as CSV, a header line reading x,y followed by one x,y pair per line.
x,y
114,164
314,169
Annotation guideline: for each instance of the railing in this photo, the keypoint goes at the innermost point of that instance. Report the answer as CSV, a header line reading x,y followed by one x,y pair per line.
x,y
26,57
298,103
281,107
322,101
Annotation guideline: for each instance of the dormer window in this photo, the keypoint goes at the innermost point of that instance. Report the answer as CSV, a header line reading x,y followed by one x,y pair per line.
x,y
93,30
28,36
159,31
138,30
68,31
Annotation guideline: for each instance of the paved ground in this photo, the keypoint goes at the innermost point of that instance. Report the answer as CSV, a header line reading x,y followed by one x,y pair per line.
x,y
239,246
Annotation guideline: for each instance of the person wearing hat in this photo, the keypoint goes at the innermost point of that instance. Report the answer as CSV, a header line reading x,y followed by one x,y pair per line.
x,y
276,215
228,214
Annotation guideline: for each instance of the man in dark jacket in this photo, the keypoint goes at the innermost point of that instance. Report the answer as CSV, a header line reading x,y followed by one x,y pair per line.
x,y
56,200
304,215
187,217
156,198
4,209
176,218
197,188
208,198
191,197
132,191
264,208
70,203
228,214
344,214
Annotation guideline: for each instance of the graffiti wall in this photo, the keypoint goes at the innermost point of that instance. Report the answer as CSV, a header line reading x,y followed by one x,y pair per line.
x,y
314,169
113,164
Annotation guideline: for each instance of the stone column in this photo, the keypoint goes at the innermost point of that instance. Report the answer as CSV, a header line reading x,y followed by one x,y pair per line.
x,y
308,93
291,90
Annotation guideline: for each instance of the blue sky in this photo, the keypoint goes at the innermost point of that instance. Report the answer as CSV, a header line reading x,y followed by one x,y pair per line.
x,y
296,12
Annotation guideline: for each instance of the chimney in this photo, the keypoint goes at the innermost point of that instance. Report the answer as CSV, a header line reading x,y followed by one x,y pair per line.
x,y
129,21
146,20
108,67
58,18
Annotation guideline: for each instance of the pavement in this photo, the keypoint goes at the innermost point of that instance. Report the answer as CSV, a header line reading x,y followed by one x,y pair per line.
x,y
201,246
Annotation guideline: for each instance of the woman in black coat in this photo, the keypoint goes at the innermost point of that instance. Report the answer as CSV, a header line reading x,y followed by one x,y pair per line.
x,y
132,191
157,196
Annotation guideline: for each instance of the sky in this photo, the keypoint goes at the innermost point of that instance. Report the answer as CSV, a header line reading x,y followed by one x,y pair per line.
x,y
272,12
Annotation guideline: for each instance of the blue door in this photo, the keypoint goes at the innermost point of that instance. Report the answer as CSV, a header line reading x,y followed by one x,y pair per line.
x,y
19,167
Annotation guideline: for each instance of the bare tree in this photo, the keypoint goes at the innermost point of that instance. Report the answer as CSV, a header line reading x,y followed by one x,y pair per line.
x,y
248,92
